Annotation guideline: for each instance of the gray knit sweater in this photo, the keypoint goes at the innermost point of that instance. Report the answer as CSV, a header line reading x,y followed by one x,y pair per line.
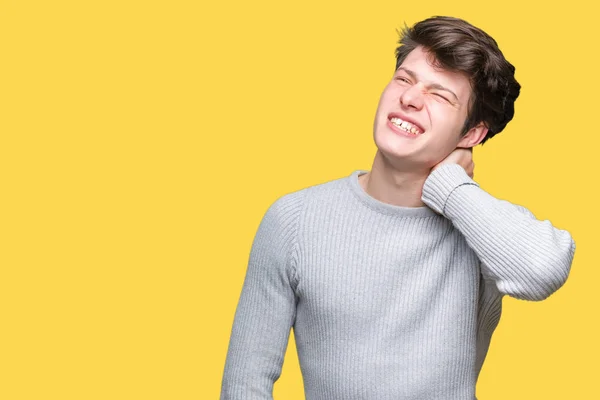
x,y
386,302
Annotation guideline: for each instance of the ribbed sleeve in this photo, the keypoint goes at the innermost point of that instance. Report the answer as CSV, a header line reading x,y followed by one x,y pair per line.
x,y
526,258
266,309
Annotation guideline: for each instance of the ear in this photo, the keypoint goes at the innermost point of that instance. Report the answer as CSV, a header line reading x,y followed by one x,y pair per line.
x,y
473,137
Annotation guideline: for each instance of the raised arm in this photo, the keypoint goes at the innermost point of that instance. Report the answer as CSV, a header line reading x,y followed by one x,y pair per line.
x,y
527,258
266,309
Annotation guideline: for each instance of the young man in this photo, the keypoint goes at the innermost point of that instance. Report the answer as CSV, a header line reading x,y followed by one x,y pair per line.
x,y
393,279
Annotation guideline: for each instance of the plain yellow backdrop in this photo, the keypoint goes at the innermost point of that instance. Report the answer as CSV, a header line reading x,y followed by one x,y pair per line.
x,y
142,142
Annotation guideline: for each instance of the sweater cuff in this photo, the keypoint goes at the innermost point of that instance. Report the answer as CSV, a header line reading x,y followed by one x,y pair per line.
x,y
440,184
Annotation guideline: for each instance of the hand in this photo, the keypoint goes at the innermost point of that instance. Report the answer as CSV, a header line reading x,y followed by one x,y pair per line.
x,y
461,156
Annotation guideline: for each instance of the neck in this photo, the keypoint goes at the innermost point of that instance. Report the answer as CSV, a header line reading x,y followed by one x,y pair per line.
x,y
393,184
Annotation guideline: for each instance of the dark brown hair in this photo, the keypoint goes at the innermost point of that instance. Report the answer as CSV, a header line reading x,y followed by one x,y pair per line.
x,y
461,47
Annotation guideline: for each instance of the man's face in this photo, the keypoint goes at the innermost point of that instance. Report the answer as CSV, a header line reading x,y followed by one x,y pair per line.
x,y
434,102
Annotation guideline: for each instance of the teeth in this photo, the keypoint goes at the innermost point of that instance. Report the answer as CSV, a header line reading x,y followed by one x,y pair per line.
x,y
406,126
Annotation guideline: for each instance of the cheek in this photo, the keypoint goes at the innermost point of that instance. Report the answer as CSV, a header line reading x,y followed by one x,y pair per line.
x,y
446,120
385,106
390,94
385,100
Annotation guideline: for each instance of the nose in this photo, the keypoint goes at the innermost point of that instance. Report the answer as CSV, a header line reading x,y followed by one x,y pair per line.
x,y
412,97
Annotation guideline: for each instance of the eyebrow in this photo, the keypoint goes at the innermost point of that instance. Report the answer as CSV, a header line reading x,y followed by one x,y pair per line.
x,y
432,85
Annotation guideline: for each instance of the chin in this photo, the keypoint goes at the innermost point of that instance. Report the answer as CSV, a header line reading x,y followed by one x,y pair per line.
x,y
390,143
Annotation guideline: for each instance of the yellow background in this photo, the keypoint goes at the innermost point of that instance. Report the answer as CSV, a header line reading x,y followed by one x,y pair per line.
x,y
142,142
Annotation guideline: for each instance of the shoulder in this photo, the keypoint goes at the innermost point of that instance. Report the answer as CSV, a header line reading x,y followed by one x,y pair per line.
x,y
291,204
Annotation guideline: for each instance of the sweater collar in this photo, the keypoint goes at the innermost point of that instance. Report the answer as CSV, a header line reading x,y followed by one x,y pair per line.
x,y
382,207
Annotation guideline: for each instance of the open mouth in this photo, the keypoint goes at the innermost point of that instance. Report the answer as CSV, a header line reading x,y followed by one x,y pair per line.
x,y
406,126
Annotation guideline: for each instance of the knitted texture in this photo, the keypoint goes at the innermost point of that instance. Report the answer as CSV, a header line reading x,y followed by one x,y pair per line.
x,y
386,302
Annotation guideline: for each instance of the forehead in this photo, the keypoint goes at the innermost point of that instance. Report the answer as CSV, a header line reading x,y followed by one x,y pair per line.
x,y
423,64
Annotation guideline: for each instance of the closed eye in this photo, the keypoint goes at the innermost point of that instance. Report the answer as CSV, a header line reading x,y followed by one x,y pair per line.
x,y
403,79
440,96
